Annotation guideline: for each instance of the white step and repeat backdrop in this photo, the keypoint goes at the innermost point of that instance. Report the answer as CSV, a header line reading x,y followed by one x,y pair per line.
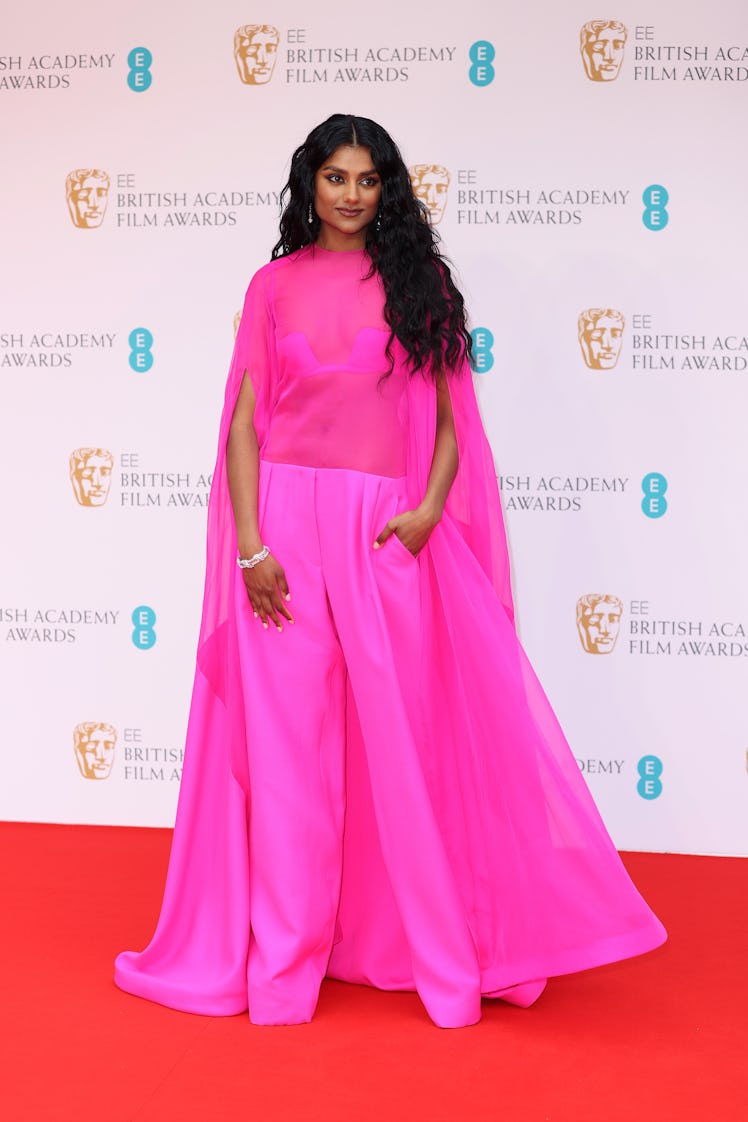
x,y
586,165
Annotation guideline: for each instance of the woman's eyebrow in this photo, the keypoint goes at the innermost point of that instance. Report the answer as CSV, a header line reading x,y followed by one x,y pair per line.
x,y
342,171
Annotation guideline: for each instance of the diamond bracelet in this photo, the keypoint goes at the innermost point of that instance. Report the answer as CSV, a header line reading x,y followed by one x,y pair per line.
x,y
250,562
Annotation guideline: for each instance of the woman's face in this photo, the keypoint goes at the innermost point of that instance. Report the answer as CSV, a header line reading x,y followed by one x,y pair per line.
x,y
346,196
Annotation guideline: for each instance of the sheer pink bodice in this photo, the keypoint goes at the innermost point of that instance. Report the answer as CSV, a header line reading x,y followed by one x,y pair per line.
x,y
334,405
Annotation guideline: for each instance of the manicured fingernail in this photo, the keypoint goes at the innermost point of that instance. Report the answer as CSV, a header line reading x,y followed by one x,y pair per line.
x,y
265,625
292,621
288,596
278,627
376,545
255,615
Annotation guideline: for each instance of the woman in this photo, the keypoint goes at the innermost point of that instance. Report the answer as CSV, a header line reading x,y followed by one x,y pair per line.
x,y
375,787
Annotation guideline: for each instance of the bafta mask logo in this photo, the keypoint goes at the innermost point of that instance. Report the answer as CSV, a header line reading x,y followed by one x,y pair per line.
x,y
255,52
87,191
600,333
431,185
598,622
94,743
602,42
91,475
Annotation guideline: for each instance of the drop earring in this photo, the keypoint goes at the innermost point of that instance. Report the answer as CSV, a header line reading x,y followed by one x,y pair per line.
x,y
310,215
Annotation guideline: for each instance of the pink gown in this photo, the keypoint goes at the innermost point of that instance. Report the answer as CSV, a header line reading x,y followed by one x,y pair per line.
x,y
404,811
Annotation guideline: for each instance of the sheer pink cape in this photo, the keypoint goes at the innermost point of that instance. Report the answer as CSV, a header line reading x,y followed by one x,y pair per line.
x,y
543,887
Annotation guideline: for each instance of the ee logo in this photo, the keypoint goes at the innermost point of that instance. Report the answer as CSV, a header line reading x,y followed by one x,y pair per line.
x,y
482,53
141,341
482,360
143,619
139,76
655,199
654,503
650,770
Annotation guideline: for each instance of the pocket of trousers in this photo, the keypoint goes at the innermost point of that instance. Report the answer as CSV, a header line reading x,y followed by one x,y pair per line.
x,y
398,545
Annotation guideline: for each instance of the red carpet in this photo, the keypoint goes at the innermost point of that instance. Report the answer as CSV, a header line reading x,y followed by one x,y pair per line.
x,y
660,1037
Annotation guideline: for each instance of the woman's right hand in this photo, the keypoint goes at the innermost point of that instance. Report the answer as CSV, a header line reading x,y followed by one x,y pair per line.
x,y
268,592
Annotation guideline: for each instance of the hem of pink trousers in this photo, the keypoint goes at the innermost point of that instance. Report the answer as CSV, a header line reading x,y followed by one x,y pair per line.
x,y
179,995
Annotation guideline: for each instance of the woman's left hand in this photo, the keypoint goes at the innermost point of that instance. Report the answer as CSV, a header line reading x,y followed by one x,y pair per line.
x,y
412,527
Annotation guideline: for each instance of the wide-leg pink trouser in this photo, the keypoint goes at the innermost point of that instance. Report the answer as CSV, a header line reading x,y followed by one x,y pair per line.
x,y
357,622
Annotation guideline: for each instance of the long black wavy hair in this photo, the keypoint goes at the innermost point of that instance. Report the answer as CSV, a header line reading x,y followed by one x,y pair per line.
x,y
423,307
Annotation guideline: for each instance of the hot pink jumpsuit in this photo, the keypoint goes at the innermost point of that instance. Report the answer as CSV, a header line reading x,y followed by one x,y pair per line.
x,y
380,792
